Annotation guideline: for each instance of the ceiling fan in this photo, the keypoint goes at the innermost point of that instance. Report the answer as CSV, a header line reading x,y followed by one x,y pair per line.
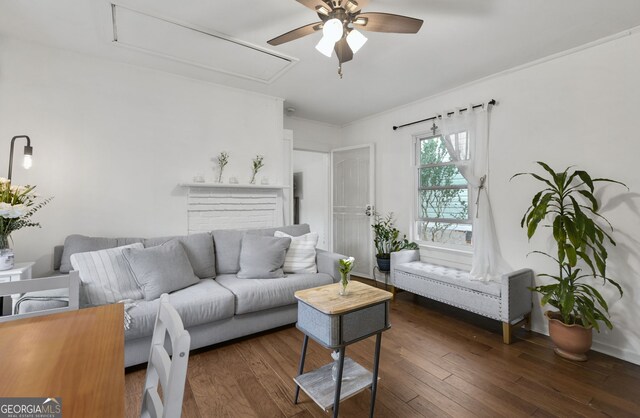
x,y
340,21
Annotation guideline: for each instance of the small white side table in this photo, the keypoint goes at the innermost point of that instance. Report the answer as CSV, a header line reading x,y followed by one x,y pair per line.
x,y
21,271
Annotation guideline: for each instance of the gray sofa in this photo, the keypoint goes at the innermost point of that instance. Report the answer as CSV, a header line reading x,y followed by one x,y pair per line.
x,y
213,310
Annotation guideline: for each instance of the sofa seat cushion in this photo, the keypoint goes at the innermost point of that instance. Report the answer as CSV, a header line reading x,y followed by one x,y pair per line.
x,y
451,276
259,294
201,303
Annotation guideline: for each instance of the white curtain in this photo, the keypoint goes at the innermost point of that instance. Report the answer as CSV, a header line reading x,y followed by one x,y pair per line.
x,y
488,263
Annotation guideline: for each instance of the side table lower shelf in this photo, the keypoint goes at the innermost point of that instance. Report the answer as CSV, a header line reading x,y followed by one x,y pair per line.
x,y
321,387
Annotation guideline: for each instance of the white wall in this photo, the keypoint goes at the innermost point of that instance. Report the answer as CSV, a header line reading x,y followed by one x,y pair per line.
x,y
580,109
112,142
314,205
310,135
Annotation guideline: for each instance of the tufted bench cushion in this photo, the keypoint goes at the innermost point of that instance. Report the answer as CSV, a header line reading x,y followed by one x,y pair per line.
x,y
507,300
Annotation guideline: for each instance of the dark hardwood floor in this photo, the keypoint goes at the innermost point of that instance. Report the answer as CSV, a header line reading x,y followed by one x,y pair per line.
x,y
436,361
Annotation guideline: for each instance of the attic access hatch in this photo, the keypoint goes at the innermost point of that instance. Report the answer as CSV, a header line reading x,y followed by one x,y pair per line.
x,y
196,46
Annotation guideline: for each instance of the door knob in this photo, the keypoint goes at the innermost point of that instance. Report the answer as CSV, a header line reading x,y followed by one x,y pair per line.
x,y
368,210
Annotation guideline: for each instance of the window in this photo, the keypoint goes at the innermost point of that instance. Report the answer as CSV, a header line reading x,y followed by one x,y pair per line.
x,y
443,192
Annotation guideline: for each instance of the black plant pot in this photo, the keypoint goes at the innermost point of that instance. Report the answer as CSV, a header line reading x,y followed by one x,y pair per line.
x,y
384,264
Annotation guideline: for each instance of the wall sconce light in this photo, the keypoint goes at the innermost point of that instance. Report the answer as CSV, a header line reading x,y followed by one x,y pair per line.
x,y
28,154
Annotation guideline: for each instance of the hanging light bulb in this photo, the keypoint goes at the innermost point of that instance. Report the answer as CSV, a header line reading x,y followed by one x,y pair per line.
x,y
356,40
28,157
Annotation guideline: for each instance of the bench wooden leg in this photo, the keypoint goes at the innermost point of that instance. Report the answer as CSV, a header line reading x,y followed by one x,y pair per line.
x,y
393,291
506,333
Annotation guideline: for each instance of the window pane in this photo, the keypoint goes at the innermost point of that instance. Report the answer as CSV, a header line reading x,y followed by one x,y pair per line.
x,y
443,175
444,233
433,150
444,204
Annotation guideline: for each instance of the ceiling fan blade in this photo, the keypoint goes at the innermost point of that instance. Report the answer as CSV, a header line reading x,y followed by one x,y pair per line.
x,y
314,4
343,51
386,22
295,34
353,6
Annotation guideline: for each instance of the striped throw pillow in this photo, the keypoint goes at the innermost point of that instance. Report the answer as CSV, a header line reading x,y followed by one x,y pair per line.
x,y
106,276
301,255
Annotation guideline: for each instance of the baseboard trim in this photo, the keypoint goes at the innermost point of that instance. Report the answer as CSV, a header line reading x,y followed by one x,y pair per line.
x,y
607,349
620,353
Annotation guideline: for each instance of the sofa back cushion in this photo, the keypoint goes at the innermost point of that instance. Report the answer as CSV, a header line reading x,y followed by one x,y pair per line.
x,y
228,243
74,244
161,269
199,250
105,276
262,257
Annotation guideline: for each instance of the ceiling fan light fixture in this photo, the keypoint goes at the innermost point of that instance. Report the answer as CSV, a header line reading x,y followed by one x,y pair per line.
x,y
362,21
333,30
322,10
351,6
325,46
356,40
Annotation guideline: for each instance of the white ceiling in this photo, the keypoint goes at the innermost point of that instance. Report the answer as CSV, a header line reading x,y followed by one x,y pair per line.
x,y
460,41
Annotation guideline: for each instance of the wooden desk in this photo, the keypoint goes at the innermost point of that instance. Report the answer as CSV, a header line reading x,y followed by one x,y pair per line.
x,y
78,356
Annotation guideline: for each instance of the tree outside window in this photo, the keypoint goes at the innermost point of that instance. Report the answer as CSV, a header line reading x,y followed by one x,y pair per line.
x,y
443,193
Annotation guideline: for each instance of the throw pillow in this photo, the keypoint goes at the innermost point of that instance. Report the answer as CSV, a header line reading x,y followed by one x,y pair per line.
x,y
262,257
301,255
106,276
161,269
199,249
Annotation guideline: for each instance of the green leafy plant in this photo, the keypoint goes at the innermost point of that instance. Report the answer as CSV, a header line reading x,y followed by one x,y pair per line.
x,y
568,206
386,237
223,160
17,205
256,164
344,267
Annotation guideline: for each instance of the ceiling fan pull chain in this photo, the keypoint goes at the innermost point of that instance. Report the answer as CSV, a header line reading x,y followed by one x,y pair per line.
x,y
340,70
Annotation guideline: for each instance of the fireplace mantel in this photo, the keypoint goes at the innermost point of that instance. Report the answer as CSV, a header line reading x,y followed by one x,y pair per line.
x,y
212,206
234,186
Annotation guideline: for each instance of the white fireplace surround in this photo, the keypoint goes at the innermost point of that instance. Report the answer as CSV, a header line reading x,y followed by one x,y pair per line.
x,y
233,206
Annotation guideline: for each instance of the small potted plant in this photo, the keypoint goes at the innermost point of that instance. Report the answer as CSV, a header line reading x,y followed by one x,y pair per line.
x,y
256,165
567,206
386,240
223,160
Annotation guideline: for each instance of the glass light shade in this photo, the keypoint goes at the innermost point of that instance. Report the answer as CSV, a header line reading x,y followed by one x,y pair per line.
x,y
27,162
332,30
325,46
356,40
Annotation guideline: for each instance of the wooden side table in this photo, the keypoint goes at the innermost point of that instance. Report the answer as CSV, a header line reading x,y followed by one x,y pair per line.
x,y
21,271
334,322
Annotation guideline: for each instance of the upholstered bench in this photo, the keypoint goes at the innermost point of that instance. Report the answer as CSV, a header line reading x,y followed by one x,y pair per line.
x,y
508,300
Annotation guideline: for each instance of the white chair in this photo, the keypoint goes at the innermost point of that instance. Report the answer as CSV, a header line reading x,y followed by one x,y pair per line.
x,y
70,281
171,372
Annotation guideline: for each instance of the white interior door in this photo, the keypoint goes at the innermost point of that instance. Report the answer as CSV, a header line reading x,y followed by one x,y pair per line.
x,y
352,204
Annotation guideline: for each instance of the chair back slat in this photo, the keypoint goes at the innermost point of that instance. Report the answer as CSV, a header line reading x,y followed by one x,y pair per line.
x,y
168,372
161,363
151,405
70,282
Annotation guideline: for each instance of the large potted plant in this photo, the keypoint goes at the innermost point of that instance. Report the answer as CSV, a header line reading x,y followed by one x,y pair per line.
x,y
387,240
567,205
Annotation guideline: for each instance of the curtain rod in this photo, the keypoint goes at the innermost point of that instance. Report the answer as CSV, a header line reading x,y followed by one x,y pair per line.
x,y
490,102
